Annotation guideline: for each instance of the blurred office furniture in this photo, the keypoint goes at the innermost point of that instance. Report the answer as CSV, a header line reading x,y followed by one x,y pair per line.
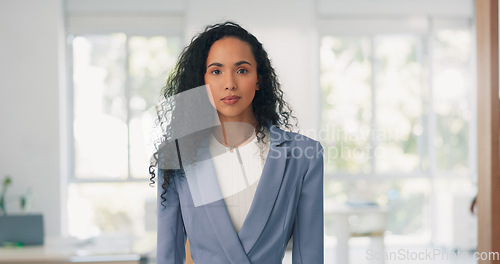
x,y
95,251
456,226
24,229
360,220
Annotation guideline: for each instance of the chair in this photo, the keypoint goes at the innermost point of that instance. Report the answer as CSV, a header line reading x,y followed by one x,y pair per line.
x,y
359,221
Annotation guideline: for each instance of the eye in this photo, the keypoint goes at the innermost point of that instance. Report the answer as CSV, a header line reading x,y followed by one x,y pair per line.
x,y
242,71
216,72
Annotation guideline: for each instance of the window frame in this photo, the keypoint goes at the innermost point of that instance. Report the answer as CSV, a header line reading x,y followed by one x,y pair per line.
x,y
424,28
131,25
91,23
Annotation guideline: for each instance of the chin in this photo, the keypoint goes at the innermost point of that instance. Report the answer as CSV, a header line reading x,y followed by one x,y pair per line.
x,y
229,115
229,112
232,112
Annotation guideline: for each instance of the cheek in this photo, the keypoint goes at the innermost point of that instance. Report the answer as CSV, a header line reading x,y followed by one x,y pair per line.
x,y
210,95
213,82
251,87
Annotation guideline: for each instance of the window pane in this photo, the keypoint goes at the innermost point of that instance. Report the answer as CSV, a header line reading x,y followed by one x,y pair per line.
x,y
346,116
402,100
150,61
452,88
100,115
398,85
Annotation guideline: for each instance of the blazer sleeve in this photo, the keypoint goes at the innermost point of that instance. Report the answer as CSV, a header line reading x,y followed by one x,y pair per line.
x,y
171,235
308,242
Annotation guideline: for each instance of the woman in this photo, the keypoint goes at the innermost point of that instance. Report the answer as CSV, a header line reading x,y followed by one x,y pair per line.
x,y
239,190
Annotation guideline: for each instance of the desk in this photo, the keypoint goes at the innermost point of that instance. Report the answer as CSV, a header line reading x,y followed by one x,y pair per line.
x,y
374,227
57,251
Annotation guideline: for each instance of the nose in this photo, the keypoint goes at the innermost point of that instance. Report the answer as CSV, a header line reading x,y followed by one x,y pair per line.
x,y
230,82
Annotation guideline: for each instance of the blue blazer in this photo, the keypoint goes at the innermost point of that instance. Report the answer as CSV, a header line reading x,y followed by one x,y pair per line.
x,y
288,202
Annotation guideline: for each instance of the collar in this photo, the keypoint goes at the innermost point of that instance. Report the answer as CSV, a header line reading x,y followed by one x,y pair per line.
x,y
278,135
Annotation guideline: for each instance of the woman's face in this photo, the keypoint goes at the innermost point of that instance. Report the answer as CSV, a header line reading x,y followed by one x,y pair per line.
x,y
231,75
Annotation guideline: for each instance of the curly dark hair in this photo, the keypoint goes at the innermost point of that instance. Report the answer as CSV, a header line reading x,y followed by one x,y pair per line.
x,y
268,103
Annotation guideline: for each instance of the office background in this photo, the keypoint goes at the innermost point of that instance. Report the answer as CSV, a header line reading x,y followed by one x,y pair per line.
x,y
388,86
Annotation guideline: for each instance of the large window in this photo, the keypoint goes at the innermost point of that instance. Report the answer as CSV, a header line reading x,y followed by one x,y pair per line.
x,y
116,79
398,110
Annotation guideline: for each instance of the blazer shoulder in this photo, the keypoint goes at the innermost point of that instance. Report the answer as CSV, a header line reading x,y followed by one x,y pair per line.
x,y
303,140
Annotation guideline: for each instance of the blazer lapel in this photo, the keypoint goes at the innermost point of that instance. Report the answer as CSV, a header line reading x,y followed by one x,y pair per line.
x,y
220,220
205,191
201,177
267,190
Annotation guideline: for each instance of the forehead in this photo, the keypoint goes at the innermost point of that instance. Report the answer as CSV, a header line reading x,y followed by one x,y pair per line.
x,y
230,49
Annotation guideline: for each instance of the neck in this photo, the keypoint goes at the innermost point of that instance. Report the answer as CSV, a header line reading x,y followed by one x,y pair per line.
x,y
235,133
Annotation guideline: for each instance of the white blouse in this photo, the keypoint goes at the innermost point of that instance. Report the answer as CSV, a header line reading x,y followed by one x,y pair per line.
x,y
238,173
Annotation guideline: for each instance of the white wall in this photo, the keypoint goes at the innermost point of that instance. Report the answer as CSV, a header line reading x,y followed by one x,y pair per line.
x,y
396,8
31,49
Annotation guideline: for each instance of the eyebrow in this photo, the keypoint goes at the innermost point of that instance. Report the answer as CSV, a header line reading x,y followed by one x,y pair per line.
x,y
236,64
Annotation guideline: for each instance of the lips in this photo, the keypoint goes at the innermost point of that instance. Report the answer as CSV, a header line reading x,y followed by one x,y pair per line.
x,y
230,99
